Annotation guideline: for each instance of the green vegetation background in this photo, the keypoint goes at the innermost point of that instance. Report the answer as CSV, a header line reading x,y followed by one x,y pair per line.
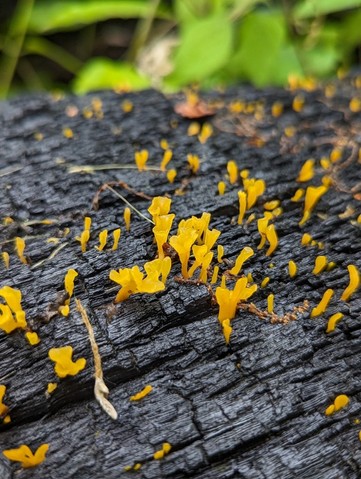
x,y
84,45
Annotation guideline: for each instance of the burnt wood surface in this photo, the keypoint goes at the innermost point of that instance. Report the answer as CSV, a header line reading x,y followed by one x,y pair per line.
x,y
253,409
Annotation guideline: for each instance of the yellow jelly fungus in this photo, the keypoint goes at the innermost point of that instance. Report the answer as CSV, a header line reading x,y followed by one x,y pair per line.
x,y
69,281
7,221
277,212
167,156
9,322
116,237
236,106
19,248
270,302
171,174
164,144
141,158
87,222
215,275
320,264
220,253
307,171
229,299
323,304
306,239
312,196
355,105
359,219
242,198
166,447
330,410
340,402
84,238
182,243
160,206
333,321
227,329
262,225
245,254
330,91
298,195
7,419
194,128
272,238
206,132
193,162
103,236
210,237
290,131
64,310
277,109
6,259
33,338
64,365
203,258
3,408
223,282
135,467
232,170
68,133
127,106
353,284
24,455
292,268
161,231
127,214
51,387
255,189
271,205
144,392
335,155
244,174
265,281
298,103
221,188
325,163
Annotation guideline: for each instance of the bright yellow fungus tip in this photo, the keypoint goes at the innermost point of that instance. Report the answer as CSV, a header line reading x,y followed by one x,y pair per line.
x,y
24,455
171,174
137,466
3,408
103,236
69,281
232,170
325,163
323,304
265,281
12,315
227,329
51,387
116,237
164,144
127,106
19,248
6,259
306,239
245,254
277,109
312,196
141,158
144,392
271,205
8,220
333,321
68,133
355,105
167,156
166,447
194,128
330,410
292,268
7,419
255,188
270,302
221,188
229,299
160,206
298,195
353,284
335,155
272,238
64,310
290,131
242,198
244,174
215,275
206,132
64,365
33,338
307,171
127,214
298,103
340,402
87,222
182,243
161,231
320,264
194,163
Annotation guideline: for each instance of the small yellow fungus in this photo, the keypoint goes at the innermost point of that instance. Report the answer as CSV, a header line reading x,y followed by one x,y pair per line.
x,y
161,231
87,222
7,419
135,467
127,106
355,105
19,248
298,103
340,402
242,198
69,281
64,365
182,243
251,218
8,322
359,219
229,299
262,225
7,221
64,310
325,163
141,158
127,214
221,188
167,156
32,337
116,237
144,392
307,171
335,155
298,195
323,304
244,174
330,91
68,133
194,128
206,132
84,238
353,284
290,131
312,196
255,189
203,258
171,174
24,455
245,254
277,109
271,205
306,239
265,282
333,321
227,329
270,302
3,408
160,206
223,281
272,238
166,447
194,163
103,236
236,106
320,264
220,253
38,136
232,170
215,275
164,144
292,268
51,387
6,259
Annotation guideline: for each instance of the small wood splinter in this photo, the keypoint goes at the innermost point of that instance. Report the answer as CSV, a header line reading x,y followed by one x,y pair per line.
x,y
100,389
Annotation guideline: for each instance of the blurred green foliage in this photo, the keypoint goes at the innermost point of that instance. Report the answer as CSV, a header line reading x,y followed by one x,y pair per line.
x,y
85,45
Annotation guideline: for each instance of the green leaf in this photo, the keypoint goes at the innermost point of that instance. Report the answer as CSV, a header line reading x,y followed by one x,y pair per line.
x,y
205,47
321,60
70,14
315,8
286,63
101,73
